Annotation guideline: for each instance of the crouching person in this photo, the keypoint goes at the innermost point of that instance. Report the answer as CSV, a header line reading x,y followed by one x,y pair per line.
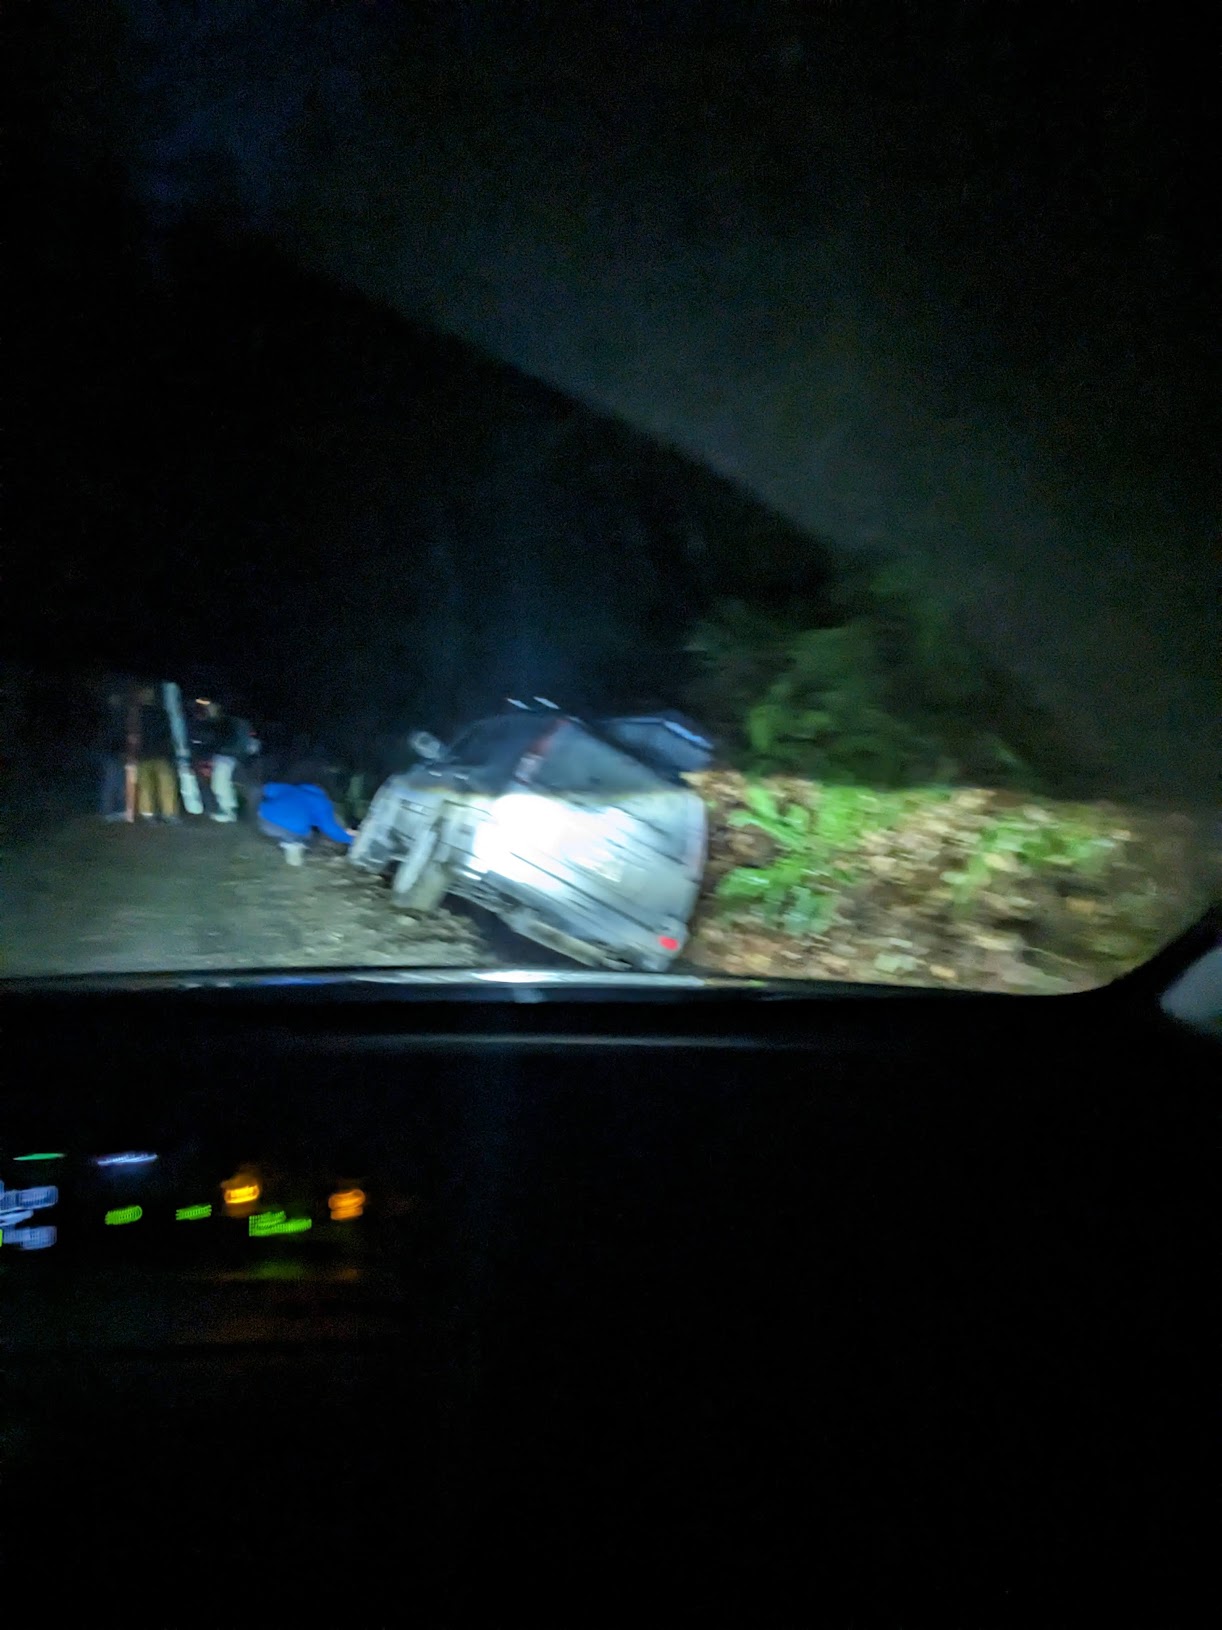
x,y
291,813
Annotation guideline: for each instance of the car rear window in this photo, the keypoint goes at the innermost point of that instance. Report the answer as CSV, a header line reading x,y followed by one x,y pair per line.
x,y
495,745
577,762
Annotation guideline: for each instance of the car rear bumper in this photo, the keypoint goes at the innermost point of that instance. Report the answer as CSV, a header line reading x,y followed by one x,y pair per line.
x,y
575,924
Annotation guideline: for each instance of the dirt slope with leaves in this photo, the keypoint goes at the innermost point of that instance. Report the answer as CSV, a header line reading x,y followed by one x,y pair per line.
x,y
976,888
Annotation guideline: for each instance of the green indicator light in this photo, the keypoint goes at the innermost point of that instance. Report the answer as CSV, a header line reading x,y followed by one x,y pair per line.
x,y
124,1214
275,1222
192,1213
39,1157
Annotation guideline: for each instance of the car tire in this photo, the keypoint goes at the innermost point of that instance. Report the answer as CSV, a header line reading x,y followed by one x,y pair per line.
x,y
428,892
420,883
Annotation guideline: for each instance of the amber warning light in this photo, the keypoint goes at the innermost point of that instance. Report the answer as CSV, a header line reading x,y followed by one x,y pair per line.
x,y
241,1190
345,1204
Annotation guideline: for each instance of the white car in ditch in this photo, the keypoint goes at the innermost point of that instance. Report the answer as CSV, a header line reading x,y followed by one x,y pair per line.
x,y
582,837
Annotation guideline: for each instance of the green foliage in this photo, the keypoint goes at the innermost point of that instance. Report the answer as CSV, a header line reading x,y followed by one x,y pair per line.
x,y
880,690
1034,842
816,855
819,852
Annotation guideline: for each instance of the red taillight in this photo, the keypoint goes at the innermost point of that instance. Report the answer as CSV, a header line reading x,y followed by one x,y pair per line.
x,y
668,942
530,761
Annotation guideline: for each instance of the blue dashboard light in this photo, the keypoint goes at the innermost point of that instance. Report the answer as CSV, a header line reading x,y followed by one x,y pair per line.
x,y
19,1205
130,1159
28,1239
46,1194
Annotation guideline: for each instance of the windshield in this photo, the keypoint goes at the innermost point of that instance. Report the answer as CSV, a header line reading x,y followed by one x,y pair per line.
x,y
765,443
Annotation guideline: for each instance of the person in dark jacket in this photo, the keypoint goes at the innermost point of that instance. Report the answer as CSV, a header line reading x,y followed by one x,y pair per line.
x,y
115,744
291,814
232,744
156,782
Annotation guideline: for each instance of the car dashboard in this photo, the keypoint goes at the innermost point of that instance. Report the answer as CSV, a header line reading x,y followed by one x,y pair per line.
x,y
585,1298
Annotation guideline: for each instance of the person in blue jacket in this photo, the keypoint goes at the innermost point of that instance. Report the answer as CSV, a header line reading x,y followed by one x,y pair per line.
x,y
292,812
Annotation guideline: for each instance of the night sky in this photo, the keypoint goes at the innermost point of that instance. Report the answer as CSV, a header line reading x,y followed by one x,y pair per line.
x,y
927,279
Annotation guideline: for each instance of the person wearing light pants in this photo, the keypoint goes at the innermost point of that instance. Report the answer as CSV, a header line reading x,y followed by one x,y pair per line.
x,y
232,741
223,767
156,784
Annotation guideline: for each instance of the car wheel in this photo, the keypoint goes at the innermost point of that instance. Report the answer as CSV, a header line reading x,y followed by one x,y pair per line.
x,y
420,884
428,892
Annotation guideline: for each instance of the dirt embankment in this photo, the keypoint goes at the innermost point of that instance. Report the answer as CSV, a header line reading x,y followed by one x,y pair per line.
x,y
972,888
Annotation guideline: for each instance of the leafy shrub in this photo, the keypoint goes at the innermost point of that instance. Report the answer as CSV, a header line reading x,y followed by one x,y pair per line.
x,y
817,855
878,689
1033,842
819,852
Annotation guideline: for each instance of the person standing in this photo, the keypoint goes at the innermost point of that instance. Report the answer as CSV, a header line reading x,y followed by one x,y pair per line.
x,y
156,783
232,744
114,747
